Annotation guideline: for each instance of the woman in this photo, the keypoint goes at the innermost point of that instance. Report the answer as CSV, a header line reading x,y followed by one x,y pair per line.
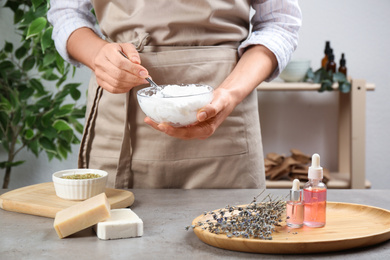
x,y
176,42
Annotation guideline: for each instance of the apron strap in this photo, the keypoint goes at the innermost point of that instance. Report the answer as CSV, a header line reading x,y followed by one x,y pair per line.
x,y
86,140
124,176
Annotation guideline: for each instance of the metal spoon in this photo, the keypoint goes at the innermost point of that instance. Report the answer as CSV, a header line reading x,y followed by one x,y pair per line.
x,y
148,78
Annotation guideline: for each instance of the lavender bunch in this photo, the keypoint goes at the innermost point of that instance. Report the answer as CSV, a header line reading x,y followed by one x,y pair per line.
x,y
255,220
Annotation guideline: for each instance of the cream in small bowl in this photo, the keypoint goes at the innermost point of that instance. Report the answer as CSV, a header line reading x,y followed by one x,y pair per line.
x,y
79,184
176,105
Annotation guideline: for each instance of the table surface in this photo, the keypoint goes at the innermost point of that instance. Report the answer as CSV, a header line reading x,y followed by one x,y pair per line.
x,y
165,214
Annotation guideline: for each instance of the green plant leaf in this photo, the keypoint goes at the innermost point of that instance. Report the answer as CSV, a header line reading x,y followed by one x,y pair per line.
x,y
344,87
18,16
60,63
36,3
6,65
47,118
29,134
327,85
5,164
75,94
28,63
48,59
47,145
21,52
62,152
36,27
26,93
16,116
61,125
13,5
5,104
37,85
338,76
49,132
34,147
67,136
46,40
65,110
49,75
8,47
30,120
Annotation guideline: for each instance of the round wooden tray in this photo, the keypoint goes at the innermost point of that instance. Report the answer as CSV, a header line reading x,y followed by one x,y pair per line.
x,y
347,226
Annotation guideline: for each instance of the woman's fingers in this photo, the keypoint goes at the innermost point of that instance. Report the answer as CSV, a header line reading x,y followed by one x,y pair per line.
x,y
210,118
117,74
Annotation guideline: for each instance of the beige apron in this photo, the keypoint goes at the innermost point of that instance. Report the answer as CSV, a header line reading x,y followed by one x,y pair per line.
x,y
179,42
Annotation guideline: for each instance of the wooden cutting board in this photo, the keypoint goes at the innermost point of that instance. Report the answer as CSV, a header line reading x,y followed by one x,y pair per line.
x,y
41,200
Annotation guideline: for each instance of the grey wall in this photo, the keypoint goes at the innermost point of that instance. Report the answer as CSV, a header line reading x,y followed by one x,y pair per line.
x,y
302,120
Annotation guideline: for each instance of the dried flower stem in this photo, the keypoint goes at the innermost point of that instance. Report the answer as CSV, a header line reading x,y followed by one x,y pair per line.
x,y
255,220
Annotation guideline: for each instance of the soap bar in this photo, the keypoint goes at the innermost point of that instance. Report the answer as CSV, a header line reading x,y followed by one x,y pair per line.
x,y
123,223
82,215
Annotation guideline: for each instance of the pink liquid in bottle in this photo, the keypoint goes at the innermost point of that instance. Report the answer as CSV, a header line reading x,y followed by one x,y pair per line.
x,y
294,214
315,207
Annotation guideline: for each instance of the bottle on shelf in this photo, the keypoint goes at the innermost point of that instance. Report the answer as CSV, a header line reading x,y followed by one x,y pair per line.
x,y
331,65
327,50
295,206
314,195
342,67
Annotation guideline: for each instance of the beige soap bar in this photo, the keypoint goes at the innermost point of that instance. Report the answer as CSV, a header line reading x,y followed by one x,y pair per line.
x,y
82,215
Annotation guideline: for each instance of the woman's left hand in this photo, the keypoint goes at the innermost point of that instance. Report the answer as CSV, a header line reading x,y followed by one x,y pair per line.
x,y
209,118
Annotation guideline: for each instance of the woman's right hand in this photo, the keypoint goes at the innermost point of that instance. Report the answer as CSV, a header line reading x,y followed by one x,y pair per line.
x,y
114,72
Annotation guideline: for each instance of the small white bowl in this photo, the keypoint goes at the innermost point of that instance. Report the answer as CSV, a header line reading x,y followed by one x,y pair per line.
x,y
79,189
295,70
176,105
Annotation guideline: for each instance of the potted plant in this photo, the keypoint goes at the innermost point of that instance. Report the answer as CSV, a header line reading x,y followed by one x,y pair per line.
x,y
38,109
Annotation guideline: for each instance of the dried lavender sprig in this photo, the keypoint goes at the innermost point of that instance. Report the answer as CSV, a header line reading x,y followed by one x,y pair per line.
x,y
255,220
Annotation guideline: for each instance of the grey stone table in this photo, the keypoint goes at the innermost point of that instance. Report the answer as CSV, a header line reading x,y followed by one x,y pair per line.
x,y
165,214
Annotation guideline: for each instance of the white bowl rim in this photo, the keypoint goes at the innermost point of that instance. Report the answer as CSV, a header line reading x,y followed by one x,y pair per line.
x,y
140,94
57,175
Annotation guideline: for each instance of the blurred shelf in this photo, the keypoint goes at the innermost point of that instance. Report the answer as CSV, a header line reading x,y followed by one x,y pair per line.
x,y
337,181
351,132
298,86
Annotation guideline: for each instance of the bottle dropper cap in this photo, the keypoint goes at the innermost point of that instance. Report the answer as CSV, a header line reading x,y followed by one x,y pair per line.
x,y
315,170
295,192
342,60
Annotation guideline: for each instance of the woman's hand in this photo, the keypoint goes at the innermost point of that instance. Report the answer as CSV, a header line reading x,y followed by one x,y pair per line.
x,y
114,72
209,118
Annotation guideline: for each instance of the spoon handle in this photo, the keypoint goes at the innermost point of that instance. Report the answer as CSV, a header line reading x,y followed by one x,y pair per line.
x,y
148,78
153,83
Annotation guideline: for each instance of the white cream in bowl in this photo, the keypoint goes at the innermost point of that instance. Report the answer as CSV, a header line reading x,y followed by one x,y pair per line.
x,y
176,105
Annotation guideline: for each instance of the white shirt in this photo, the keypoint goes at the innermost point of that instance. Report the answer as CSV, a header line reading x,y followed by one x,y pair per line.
x,y
275,25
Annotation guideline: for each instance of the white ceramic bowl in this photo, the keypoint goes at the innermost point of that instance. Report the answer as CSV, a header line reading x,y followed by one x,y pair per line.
x,y
79,189
295,70
176,105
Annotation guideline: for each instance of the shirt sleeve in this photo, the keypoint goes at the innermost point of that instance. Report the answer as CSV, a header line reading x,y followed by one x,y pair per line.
x,y
275,25
66,16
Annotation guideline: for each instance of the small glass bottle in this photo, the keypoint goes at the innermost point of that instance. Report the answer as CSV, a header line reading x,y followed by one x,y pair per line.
x,y
342,67
331,65
314,195
324,60
295,206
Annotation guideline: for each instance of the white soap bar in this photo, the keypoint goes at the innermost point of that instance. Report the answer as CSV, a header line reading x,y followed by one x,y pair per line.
x,y
123,223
